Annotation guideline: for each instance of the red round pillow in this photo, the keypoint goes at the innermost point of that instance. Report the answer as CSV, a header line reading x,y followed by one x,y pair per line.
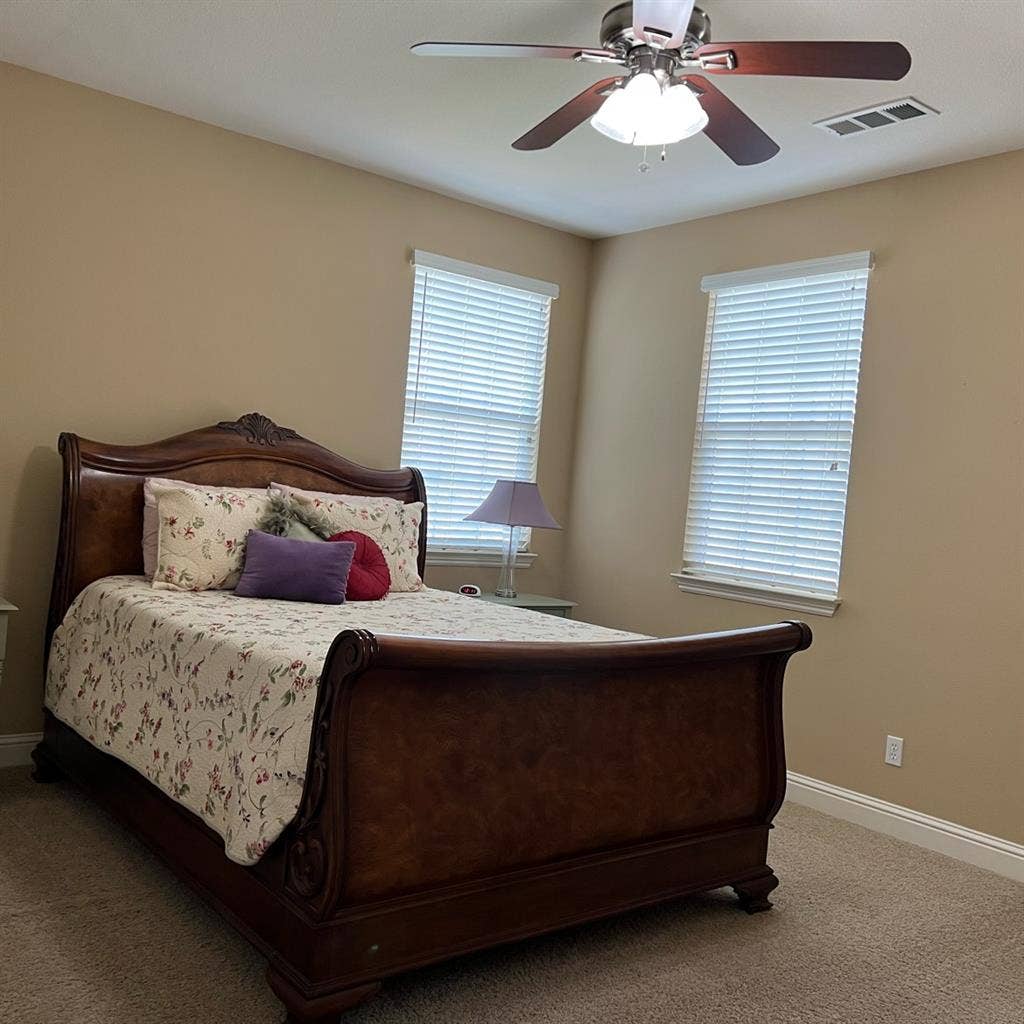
x,y
369,579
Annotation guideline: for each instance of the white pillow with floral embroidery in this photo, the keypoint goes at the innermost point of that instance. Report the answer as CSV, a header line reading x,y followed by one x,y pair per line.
x,y
201,535
393,524
405,548
150,523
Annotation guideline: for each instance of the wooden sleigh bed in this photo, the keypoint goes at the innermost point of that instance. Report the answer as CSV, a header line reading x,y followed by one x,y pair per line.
x,y
698,719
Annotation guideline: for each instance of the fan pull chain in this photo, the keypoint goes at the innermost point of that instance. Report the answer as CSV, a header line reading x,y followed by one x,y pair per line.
x,y
645,166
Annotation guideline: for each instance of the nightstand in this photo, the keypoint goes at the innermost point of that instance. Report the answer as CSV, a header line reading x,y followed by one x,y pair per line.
x,y
535,603
5,609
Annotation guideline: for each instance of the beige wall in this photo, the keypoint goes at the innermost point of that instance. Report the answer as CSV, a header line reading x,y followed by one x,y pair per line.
x,y
929,643
160,274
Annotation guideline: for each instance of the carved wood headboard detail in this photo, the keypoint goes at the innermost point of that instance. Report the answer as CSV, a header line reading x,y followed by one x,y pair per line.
x,y
101,510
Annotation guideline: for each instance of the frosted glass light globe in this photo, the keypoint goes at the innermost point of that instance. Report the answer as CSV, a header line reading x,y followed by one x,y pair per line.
x,y
627,108
613,118
675,116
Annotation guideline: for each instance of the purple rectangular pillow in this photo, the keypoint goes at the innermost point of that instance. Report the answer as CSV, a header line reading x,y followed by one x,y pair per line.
x,y
295,570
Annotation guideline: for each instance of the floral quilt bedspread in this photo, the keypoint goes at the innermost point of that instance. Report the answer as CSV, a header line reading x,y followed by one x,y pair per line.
x,y
211,696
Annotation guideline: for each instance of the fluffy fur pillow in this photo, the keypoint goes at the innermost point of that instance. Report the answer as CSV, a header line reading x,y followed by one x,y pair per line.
x,y
201,535
282,520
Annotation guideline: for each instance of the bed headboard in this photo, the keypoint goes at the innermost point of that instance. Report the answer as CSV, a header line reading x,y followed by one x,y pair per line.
x,y
101,511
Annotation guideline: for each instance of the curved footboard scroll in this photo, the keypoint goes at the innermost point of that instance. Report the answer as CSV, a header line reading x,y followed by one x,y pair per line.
x,y
314,858
463,793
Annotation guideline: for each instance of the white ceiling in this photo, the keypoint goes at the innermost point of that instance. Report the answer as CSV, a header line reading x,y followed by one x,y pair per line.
x,y
334,77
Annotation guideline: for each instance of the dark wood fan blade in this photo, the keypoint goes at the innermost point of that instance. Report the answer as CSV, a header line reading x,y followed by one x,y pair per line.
x,y
567,117
662,21
882,61
506,50
730,129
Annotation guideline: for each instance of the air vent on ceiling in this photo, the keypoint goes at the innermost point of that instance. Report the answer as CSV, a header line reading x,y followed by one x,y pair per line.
x,y
857,121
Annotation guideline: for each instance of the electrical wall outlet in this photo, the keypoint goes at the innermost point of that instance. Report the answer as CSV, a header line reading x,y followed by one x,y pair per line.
x,y
894,750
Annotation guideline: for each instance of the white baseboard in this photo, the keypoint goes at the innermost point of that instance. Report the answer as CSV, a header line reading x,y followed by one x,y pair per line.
x,y
15,750
978,848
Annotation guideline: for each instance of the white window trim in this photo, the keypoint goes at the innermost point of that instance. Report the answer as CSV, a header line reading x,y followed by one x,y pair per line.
x,y
863,260
477,557
733,590
420,258
696,581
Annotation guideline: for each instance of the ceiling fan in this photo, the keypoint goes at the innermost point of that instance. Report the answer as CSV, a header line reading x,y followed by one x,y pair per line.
x,y
663,95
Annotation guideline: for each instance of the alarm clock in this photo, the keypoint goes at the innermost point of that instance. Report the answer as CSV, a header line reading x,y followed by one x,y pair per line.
x,y
470,590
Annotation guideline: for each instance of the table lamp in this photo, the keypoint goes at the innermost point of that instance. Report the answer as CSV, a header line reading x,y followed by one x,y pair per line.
x,y
513,503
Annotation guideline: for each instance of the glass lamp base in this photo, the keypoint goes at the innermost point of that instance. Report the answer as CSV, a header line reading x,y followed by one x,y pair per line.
x,y
506,583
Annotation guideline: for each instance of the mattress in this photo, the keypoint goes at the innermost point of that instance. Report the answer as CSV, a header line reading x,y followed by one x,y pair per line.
x,y
211,696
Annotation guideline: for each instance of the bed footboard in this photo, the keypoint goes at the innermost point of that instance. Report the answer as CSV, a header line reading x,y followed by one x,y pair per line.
x,y
461,794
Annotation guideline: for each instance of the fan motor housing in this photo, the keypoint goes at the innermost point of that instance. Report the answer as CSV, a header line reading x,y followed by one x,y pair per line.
x,y
617,28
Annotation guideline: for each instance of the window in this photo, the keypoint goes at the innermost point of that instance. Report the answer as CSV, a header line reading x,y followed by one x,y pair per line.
x,y
474,389
771,456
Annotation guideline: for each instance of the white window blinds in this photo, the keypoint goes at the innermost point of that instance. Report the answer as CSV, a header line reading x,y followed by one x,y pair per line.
x,y
475,384
771,457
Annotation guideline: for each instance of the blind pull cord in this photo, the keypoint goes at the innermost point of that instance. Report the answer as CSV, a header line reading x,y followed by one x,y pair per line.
x,y
419,345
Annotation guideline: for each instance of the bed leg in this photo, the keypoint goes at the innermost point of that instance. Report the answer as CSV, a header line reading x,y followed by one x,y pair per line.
x,y
753,892
45,768
322,1009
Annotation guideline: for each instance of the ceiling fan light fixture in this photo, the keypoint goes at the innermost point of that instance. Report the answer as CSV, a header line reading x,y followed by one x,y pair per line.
x,y
645,113
664,49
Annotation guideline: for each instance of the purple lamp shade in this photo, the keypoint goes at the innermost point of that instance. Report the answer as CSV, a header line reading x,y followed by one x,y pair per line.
x,y
514,503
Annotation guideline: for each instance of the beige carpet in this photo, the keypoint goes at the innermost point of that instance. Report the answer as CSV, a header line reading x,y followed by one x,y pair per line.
x,y
94,931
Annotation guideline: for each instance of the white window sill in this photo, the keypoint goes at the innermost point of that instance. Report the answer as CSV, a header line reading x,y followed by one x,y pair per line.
x,y
453,556
733,590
